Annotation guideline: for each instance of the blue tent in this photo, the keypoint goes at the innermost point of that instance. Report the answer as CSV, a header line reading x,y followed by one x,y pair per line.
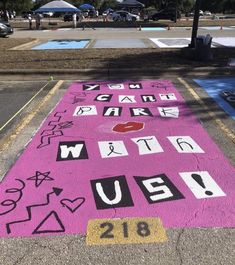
x,y
130,3
86,7
57,6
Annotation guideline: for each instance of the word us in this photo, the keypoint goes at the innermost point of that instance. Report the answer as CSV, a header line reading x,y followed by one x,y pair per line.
x,y
155,189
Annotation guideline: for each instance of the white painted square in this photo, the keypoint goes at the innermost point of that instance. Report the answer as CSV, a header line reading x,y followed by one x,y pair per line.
x,y
169,112
169,96
112,149
148,145
116,86
209,189
126,99
85,110
185,144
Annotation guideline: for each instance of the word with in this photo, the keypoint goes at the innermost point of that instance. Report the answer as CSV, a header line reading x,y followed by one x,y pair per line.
x,y
77,150
113,192
10,202
55,129
125,230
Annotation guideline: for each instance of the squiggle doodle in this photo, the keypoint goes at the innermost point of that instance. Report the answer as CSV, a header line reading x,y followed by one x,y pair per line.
x,y
55,191
161,84
10,202
79,97
50,133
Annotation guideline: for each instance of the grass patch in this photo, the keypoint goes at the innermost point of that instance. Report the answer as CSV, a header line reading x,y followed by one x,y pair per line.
x,y
150,58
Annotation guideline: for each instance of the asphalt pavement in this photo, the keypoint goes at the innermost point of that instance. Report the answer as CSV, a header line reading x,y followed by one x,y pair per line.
x,y
28,103
117,33
184,246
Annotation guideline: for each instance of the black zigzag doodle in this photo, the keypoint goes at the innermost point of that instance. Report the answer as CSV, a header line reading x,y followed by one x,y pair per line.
x,y
52,132
11,202
65,125
55,191
46,139
59,116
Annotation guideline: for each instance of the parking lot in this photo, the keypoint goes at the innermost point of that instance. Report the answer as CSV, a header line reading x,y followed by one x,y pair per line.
x,y
81,150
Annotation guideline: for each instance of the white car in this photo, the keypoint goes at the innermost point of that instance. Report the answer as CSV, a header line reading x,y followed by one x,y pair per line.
x,y
191,14
206,13
124,16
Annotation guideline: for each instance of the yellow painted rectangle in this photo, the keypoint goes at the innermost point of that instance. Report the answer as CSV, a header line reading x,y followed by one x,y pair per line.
x,y
125,231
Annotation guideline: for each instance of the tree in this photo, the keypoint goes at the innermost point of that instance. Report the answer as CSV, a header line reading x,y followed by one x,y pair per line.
x,y
18,6
108,4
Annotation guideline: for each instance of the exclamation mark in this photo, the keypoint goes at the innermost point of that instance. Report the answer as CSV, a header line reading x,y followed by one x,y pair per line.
x,y
199,180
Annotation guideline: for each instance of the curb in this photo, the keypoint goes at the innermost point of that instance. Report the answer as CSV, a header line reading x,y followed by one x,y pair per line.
x,y
172,70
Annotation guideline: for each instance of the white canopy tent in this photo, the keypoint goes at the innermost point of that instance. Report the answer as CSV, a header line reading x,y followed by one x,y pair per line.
x,y
57,6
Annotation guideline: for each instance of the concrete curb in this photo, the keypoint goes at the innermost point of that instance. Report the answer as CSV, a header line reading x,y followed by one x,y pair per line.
x,y
172,70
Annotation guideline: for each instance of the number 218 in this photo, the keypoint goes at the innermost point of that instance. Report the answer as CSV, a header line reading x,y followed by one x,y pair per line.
x,y
142,229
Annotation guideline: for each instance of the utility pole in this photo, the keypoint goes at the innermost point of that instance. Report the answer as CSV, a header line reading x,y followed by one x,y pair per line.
x,y
176,10
195,23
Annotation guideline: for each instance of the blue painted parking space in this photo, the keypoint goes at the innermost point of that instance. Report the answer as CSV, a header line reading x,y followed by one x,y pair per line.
x,y
62,44
153,29
222,90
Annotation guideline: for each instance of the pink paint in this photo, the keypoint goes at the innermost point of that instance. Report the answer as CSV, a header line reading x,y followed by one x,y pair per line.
x,y
67,208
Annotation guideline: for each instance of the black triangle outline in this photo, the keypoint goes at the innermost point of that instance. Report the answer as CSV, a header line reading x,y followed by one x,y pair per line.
x,y
49,231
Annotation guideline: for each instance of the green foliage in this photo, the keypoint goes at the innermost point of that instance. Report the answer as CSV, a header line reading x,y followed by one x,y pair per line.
x,y
18,6
184,5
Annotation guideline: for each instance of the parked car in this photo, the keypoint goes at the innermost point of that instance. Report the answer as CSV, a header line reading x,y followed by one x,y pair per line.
x,y
93,14
26,14
168,13
124,16
107,12
191,14
5,29
69,17
206,13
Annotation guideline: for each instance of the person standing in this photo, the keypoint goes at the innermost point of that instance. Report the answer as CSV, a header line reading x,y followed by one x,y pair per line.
x,y
74,20
30,21
6,16
38,21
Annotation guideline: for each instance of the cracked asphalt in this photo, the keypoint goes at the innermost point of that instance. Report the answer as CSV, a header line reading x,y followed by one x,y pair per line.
x,y
184,246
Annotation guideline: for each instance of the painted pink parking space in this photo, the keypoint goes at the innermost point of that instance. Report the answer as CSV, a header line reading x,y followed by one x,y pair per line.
x,y
118,149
